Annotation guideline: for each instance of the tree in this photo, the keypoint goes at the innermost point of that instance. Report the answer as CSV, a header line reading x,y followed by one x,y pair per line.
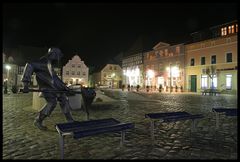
x,y
211,71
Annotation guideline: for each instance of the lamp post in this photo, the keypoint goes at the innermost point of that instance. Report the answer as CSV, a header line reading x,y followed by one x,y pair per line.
x,y
170,68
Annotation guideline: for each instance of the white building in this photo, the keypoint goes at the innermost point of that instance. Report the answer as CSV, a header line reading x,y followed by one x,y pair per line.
x,y
75,72
4,57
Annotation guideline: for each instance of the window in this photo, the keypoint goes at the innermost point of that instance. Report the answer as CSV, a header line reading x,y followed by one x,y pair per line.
x,y
229,57
204,82
84,73
192,62
230,29
67,72
228,81
224,31
110,67
236,28
214,81
73,65
177,50
79,66
78,73
73,72
202,60
115,68
213,59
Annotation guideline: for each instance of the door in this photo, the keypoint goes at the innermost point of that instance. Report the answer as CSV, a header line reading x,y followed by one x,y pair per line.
x,y
193,83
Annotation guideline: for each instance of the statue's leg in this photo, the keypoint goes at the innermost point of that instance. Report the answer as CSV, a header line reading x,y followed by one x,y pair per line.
x,y
45,111
65,107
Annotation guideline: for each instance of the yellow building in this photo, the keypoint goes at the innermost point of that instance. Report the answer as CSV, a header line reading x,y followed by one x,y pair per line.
x,y
109,76
212,61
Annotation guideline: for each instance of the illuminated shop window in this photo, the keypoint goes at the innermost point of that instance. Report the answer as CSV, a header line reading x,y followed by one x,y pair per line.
x,y
214,81
229,81
204,82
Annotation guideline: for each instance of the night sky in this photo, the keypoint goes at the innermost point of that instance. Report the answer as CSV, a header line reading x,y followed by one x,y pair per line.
x,y
98,32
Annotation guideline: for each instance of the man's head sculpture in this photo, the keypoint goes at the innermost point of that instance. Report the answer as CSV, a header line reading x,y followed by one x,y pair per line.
x,y
54,54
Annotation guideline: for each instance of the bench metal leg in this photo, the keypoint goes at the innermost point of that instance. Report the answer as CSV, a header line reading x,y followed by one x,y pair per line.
x,y
152,130
193,125
61,144
217,120
122,138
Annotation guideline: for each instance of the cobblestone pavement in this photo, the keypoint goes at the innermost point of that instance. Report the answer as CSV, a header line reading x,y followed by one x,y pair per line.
x,y
21,140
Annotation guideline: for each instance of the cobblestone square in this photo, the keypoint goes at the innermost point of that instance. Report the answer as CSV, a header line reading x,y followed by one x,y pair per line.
x,y
21,140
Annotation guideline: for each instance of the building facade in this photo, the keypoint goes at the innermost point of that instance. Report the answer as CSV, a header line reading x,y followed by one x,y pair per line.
x,y
75,72
132,67
212,62
110,76
164,66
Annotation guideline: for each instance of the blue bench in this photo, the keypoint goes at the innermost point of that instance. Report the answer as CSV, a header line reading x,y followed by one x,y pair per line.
x,y
225,111
89,128
172,117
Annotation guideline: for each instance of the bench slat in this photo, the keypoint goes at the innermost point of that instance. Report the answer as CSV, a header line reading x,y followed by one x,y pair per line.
x,y
112,128
70,127
224,109
186,117
163,115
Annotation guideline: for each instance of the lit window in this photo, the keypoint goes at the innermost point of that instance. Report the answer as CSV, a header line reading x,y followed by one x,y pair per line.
x,y
229,30
214,59
229,57
232,28
228,81
236,28
224,31
204,82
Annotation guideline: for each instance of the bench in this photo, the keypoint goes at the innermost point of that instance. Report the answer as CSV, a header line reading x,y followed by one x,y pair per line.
x,y
225,111
89,128
171,117
210,92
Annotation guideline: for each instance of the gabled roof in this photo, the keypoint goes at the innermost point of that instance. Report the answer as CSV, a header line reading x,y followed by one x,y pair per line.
x,y
160,45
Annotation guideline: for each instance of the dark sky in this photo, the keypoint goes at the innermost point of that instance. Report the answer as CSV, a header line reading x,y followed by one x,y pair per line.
x,y
98,32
